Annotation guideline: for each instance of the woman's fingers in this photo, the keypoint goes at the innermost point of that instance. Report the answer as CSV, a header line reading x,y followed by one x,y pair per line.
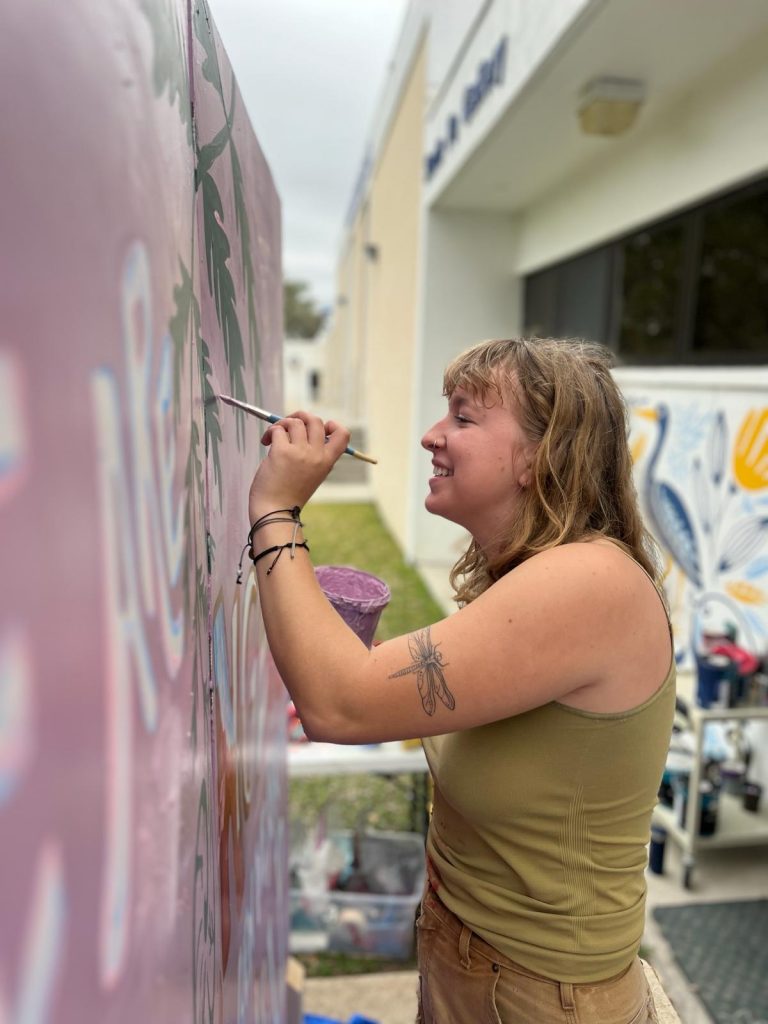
x,y
314,425
303,452
302,430
337,437
300,427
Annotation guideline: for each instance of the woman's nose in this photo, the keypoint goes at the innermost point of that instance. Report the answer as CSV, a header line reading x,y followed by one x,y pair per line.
x,y
430,441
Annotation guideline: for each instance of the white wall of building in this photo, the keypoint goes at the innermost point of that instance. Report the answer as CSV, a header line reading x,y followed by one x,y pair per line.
x,y
469,292
532,30
712,138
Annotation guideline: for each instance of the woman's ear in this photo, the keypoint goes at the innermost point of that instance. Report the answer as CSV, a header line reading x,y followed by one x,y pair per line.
x,y
526,475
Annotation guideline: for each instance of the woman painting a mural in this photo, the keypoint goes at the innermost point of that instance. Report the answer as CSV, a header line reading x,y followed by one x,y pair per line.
x,y
545,703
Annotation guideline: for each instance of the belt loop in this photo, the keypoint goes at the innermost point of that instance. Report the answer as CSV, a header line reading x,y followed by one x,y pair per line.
x,y
566,996
464,938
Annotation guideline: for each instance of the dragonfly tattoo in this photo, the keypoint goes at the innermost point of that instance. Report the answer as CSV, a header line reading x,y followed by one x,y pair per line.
x,y
428,665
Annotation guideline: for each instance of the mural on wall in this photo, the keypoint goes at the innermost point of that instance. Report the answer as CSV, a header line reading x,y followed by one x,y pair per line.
x,y
142,761
701,461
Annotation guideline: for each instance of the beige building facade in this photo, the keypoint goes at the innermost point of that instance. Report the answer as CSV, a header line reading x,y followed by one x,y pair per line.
x,y
371,348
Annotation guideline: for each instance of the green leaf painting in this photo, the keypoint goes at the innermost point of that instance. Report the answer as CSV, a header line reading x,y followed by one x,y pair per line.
x,y
212,426
211,152
169,73
179,330
221,285
249,282
169,70
204,34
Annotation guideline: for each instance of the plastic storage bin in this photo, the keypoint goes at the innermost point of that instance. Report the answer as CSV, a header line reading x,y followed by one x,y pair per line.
x,y
390,866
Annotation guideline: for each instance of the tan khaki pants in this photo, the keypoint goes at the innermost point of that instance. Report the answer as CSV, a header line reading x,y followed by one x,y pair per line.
x,y
463,980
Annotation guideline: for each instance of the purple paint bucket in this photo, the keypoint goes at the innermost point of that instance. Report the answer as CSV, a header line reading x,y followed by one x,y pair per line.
x,y
359,597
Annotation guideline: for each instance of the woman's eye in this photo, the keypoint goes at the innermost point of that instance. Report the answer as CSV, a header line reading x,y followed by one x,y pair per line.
x,y
462,419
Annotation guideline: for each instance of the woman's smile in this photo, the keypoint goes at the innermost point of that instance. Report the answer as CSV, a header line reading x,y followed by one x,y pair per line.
x,y
479,446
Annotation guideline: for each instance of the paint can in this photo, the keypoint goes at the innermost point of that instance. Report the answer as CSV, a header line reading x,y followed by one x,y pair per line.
x,y
714,673
732,774
359,597
752,793
709,801
656,849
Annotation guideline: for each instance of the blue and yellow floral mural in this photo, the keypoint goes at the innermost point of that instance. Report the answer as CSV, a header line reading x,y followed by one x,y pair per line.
x,y
701,462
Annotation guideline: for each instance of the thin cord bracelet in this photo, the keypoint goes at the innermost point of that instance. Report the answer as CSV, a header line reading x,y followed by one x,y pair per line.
x,y
280,548
294,512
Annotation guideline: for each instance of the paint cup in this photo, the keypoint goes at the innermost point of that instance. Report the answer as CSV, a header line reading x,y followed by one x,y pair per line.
x,y
709,799
656,849
752,793
732,777
359,597
713,680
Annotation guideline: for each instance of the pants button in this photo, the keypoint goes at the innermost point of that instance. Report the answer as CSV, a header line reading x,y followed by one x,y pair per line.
x,y
496,968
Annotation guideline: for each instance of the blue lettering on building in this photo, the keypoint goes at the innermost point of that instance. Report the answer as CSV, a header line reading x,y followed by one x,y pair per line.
x,y
489,74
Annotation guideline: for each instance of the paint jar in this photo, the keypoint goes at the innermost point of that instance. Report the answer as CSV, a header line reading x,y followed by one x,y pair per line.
x,y
752,793
708,805
656,849
709,800
757,690
666,789
732,777
359,597
714,673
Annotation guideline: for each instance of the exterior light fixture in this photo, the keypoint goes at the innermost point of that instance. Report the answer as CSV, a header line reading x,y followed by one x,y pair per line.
x,y
609,106
372,252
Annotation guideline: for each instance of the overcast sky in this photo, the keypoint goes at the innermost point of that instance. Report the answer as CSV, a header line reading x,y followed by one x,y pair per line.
x,y
310,72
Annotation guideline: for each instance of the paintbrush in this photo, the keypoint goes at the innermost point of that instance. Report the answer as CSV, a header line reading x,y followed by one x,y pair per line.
x,y
271,417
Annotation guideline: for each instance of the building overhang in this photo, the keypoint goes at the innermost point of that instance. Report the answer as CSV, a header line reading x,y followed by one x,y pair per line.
x,y
526,134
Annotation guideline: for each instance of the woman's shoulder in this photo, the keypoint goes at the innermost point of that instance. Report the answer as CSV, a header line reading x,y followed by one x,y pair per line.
x,y
594,583
590,555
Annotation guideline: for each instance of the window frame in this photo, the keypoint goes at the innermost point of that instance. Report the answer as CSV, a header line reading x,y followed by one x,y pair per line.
x,y
683,353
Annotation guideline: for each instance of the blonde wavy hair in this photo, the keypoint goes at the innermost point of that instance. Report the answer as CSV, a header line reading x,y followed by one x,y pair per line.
x,y
581,477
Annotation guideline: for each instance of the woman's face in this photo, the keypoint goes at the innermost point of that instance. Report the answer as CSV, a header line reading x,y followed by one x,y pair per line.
x,y
481,461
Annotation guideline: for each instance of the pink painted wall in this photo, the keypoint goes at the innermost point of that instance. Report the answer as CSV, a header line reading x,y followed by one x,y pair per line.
x,y
142,761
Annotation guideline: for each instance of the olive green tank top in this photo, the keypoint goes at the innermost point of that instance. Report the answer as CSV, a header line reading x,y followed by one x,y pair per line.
x,y
540,827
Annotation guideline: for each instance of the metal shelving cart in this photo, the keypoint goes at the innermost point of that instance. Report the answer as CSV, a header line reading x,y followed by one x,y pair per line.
x,y
735,825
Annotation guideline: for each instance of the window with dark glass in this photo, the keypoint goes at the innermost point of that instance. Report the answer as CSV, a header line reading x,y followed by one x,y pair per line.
x,y
541,304
732,306
652,267
692,289
572,299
